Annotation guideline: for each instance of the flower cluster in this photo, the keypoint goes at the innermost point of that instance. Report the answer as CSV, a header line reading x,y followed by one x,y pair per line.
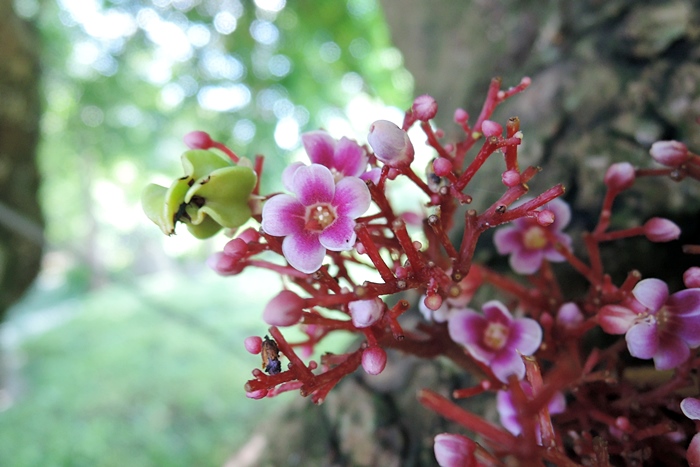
x,y
556,366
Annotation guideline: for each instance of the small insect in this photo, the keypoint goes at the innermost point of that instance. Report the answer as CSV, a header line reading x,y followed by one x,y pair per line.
x,y
271,356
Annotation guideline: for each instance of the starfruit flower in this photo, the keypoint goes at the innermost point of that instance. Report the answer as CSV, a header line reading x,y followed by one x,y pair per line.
x,y
213,194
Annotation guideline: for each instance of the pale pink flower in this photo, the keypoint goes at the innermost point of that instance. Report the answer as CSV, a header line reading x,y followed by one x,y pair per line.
x,y
391,144
655,324
344,158
527,242
320,216
496,338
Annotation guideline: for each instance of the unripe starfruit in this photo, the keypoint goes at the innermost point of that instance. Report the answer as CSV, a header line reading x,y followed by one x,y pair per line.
x,y
212,194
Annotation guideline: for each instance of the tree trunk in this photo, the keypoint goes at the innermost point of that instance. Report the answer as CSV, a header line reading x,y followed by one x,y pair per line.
x,y
21,225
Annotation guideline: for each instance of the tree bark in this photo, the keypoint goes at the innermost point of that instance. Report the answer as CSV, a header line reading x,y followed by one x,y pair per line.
x,y
21,225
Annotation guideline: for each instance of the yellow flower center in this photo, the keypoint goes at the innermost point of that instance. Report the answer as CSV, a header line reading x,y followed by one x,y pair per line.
x,y
496,335
318,217
534,238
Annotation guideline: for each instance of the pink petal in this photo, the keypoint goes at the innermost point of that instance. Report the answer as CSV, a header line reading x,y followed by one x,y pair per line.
x,y
652,293
690,406
352,197
642,340
525,336
303,251
320,147
283,215
526,261
340,235
495,311
562,213
350,158
557,404
454,451
288,174
685,302
467,328
507,363
313,184
373,175
693,453
508,240
616,319
672,351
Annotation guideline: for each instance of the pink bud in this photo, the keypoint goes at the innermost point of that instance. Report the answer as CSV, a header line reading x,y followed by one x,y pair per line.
x,y
366,312
373,360
253,344
259,394
658,229
461,116
198,140
390,143
510,178
454,450
545,217
225,265
620,176
236,248
285,309
424,107
691,277
433,302
669,153
442,166
249,235
491,128
569,315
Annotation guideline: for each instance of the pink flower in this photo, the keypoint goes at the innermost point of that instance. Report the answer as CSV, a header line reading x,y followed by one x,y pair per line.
x,y
321,215
454,450
527,242
496,339
365,313
655,324
344,158
508,413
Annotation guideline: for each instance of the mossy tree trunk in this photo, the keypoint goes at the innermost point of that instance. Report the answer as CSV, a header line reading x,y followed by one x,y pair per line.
x,y
21,235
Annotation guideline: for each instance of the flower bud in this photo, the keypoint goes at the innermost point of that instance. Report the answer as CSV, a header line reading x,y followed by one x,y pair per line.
x,y
669,153
510,178
236,248
253,344
366,312
433,301
424,107
545,217
691,277
658,229
690,406
373,360
491,128
569,315
390,143
285,309
454,450
620,176
461,116
198,140
259,394
225,265
442,166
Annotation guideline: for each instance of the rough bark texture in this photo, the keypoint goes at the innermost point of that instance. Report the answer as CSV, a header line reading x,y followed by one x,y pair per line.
x,y
20,215
609,78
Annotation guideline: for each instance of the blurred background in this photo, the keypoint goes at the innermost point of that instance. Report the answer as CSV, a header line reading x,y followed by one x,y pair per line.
x,y
119,346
